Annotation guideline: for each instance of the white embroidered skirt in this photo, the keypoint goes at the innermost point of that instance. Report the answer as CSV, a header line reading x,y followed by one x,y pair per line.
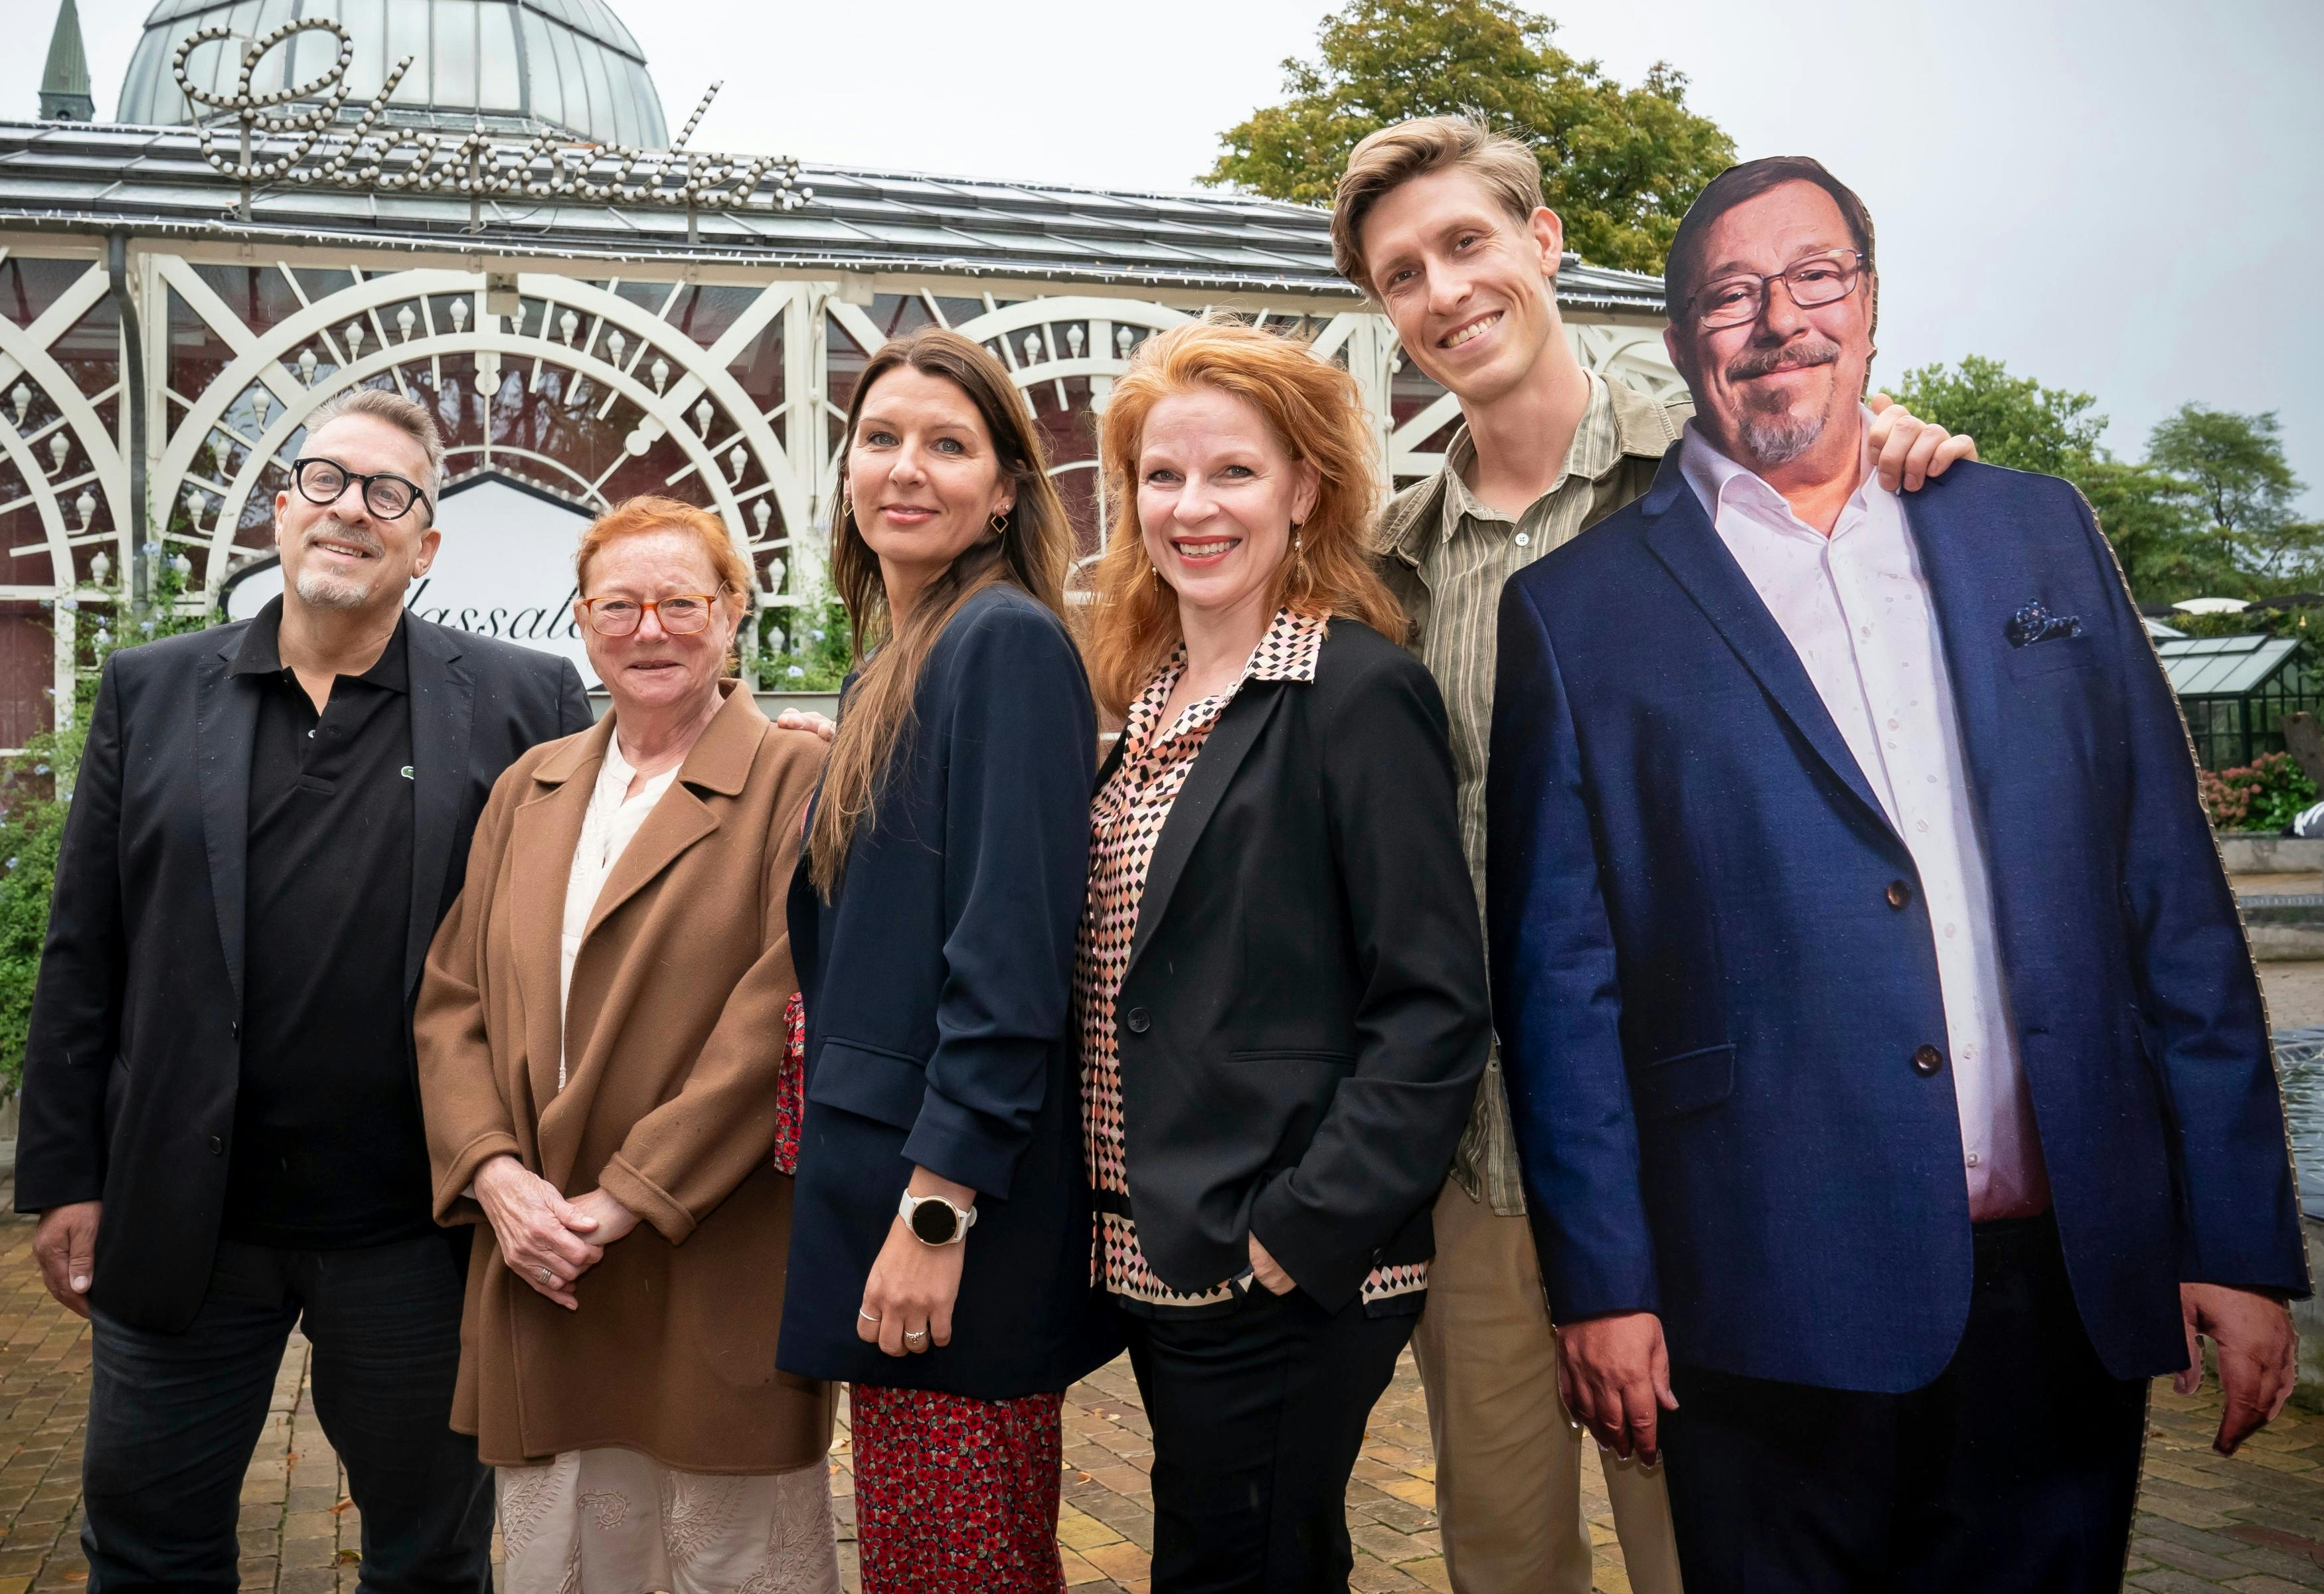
x,y
610,1521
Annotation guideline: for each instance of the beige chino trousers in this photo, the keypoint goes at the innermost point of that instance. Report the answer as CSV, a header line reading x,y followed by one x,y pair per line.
x,y
1508,1462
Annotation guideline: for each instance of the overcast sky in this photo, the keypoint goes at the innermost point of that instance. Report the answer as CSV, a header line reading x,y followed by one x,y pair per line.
x,y
2119,196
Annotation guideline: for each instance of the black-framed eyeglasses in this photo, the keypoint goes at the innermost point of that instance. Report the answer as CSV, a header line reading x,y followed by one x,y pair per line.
x,y
1819,280
388,496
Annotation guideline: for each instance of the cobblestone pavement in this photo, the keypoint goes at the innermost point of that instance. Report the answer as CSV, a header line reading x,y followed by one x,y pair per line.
x,y
2254,1525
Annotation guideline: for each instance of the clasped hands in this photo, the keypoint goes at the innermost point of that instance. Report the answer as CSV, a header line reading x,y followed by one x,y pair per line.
x,y
547,1241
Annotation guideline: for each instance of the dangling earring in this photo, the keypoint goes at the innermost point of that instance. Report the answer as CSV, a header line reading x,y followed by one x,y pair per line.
x,y
999,530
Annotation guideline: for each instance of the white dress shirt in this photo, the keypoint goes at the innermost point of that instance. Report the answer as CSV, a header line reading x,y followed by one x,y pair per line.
x,y
1856,610
606,831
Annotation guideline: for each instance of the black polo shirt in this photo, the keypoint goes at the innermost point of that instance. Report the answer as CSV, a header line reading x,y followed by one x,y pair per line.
x,y
329,1148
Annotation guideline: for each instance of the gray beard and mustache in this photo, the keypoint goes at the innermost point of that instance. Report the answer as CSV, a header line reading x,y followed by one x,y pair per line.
x,y
327,589
1772,436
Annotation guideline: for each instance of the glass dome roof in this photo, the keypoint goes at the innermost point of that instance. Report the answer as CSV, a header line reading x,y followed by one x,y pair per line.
x,y
568,65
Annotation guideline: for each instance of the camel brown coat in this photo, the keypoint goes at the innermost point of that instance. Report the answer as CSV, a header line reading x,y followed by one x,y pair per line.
x,y
677,1010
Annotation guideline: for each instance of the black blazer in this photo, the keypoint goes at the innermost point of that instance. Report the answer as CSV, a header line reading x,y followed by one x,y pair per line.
x,y
1302,1022
938,990
133,1058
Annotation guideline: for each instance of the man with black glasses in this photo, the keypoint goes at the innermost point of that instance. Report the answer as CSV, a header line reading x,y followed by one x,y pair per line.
x,y
221,1128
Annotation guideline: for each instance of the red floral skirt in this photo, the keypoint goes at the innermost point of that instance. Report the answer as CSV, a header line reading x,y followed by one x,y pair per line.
x,y
955,1494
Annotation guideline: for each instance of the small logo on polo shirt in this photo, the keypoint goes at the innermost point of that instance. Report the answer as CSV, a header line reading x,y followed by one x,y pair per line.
x,y
407,772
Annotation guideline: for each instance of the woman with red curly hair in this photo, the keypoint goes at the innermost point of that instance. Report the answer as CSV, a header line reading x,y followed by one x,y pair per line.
x,y
1280,987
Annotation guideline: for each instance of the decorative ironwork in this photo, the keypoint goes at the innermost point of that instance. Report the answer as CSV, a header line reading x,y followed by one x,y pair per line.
x,y
373,154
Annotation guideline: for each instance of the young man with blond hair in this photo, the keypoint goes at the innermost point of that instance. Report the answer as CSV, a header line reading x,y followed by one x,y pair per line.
x,y
1442,223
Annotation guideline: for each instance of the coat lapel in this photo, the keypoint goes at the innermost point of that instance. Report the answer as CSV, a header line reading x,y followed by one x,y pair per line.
x,y
1229,741
716,768
225,725
1679,535
1960,594
546,829
443,714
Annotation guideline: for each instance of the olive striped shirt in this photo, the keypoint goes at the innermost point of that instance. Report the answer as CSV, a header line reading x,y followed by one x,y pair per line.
x,y
1464,567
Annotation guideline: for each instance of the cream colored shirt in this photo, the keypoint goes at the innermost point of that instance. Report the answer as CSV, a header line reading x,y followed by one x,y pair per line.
x,y
607,829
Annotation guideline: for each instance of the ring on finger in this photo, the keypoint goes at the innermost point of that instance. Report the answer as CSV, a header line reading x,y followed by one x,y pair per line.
x,y
867,1316
546,1275
916,1333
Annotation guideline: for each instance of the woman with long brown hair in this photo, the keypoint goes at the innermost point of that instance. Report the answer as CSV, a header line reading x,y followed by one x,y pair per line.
x,y
939,1259
1280,984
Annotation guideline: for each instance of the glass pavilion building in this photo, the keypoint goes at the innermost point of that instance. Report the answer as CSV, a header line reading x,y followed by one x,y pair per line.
x,y
506,236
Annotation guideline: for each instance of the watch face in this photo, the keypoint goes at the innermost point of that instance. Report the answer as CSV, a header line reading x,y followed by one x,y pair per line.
x,y
935,1222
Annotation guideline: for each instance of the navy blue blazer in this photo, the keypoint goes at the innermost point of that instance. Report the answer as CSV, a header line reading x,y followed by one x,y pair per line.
x,y
938,986
1707,1009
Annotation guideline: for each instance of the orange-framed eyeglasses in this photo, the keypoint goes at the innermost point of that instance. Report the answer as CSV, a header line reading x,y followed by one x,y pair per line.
x,y
682,615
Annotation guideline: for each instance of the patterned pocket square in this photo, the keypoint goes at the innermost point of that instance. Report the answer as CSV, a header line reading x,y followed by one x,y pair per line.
x,y
2035,624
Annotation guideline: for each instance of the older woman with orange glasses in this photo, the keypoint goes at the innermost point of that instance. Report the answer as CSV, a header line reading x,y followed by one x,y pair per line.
x,y
601,1036
1281,987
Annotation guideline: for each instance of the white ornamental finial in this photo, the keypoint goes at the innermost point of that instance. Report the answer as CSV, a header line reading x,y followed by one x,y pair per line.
x,y
307,366
1073,340
702,414
262,405
22,397
762,512
617,342
736,460
459,314
86,506
355,340
660,372
1122,338
58,446
404,322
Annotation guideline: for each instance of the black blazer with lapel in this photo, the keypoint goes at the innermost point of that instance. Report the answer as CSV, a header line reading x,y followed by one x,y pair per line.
x,y
938,986
133,1057
1304,1018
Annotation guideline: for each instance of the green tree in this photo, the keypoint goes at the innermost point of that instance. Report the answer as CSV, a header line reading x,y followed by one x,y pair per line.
x,y
2243,488
2016,421
1618,165
2147,512
36,795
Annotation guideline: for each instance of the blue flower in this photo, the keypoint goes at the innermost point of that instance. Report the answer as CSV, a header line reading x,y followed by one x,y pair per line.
x,y
796,673
40,769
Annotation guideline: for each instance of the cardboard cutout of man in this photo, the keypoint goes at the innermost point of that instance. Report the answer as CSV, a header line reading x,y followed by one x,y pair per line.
x,y
1887,1063
1442,223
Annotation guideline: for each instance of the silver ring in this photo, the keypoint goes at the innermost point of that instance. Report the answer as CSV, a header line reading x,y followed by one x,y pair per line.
x,y
916,1333
547,1276
866,1316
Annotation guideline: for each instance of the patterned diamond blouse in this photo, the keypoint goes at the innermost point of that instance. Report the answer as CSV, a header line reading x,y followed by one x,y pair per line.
x,y
1126,819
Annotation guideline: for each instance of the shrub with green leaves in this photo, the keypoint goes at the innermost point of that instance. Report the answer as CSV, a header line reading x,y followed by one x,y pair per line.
x,y
2265,795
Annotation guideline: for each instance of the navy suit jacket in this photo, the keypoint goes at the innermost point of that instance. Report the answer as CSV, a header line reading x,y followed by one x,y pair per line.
x,y
938,986
1708,1007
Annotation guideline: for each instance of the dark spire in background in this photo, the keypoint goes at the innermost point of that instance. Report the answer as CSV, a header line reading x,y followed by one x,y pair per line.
x,y
64,82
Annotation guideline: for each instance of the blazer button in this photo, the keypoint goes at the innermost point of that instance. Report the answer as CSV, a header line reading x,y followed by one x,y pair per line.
x,y
1927,1061
1139,1021
1899,894
217,1147
234,1028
